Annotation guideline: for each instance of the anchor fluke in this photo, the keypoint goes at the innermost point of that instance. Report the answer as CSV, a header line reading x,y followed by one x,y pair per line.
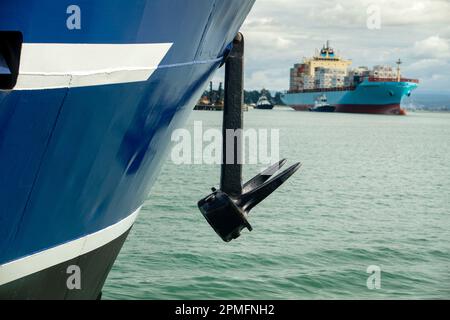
x,y
252,198
228,216
263,176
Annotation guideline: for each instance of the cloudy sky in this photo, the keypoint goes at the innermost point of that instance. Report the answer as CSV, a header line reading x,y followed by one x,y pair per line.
x,y
281,32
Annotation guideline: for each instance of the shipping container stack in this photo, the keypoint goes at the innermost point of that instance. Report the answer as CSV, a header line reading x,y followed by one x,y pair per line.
x,y
326,78
296,81
355,75
383,72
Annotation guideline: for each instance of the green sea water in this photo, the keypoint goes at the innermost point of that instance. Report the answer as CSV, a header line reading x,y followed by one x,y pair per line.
x,y
374,190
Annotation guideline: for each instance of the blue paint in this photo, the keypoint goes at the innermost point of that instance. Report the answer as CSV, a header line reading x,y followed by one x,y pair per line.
x,y
74,161
199,29
366,93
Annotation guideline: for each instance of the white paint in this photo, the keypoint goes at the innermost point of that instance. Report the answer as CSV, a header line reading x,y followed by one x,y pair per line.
x,y
45,259
54,65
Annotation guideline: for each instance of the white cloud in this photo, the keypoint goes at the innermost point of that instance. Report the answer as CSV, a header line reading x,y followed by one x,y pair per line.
x,y
274,78
432,47
416,12
280,32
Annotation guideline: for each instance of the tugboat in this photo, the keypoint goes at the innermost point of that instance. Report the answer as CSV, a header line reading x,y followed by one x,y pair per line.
x,y
264,103
321,105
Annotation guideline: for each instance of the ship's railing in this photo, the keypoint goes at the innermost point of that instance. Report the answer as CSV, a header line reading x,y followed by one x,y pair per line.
x,y
376,79
348,88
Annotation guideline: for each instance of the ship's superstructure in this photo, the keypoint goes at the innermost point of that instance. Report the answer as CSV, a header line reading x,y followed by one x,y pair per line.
x,y
326,69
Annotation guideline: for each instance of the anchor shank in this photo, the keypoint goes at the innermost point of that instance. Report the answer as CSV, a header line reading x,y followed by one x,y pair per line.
x,y
231,170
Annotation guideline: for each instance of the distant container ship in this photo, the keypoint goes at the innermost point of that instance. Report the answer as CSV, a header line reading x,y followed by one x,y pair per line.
x,y
358,90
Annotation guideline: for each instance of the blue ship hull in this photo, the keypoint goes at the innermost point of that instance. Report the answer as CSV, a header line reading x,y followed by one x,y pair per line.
x,y
80,150
367,97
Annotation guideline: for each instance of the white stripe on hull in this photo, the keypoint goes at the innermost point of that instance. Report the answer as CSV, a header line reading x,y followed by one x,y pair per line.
x,y
45,259
55,65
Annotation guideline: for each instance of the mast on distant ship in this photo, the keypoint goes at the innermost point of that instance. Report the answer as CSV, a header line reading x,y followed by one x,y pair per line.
x,y
399,76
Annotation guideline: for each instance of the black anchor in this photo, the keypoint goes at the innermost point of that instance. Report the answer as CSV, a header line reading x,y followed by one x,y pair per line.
x,y
227,209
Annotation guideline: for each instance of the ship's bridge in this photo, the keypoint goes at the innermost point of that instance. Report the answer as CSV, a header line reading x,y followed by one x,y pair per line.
x,y
326,58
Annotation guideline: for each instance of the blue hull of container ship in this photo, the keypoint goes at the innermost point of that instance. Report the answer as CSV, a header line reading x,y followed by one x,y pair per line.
x,y
83,132
367,97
